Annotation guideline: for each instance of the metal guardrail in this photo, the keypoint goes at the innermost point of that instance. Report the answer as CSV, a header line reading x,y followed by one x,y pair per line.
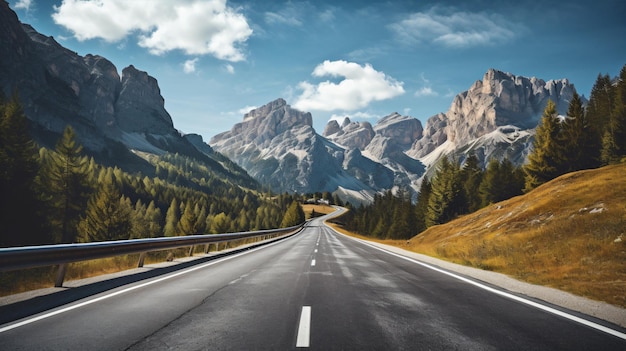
x,y
15,258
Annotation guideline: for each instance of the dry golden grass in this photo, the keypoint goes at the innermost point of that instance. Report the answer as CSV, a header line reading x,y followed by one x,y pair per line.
x,y
569,234
323,209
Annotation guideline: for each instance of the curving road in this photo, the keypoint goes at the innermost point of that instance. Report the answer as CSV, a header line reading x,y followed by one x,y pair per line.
x,y
318,290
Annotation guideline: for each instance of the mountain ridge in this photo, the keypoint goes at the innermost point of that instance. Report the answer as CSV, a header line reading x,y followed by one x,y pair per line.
x,y
116,118
494,118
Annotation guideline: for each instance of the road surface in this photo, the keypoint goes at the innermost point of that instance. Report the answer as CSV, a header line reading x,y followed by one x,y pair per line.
x,y
318,290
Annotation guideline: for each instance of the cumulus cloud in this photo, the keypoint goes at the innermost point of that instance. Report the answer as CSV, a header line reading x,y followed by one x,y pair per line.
x,y
190,65
360,86
455,29
196,27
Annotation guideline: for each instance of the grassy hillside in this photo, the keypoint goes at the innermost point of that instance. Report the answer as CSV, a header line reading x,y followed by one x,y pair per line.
x,y
569,234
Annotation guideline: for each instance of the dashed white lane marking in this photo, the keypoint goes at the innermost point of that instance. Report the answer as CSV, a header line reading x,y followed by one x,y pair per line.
x,y
315,251
304,329
313,262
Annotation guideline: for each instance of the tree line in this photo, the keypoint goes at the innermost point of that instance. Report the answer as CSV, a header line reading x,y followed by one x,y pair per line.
x,y
587,137
63,196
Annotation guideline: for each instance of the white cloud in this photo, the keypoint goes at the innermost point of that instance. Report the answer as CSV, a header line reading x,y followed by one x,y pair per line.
x,y
426,91
458,29
23,5
190,65
229,68
192,26
360,86
246,109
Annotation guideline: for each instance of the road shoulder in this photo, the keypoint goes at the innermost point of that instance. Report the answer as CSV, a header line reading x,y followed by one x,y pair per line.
x,y
597,309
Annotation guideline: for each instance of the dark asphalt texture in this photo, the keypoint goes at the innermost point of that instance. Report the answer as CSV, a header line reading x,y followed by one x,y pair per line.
x,y
361,298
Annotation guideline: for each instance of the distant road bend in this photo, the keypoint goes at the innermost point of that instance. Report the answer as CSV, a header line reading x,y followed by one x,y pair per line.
x,y
319,290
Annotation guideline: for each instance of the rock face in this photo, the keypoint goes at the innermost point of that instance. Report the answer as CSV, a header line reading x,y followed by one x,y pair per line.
x,y
384,144
352,135
278,146
58,87
113,116
496,117
499,99
139,106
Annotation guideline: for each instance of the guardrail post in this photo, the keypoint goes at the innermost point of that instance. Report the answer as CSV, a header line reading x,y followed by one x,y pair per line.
x,y
191,251
58,281
206,248
142,257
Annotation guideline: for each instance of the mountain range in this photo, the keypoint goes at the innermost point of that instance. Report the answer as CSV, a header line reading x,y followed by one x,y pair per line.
x,y
120,118
494,118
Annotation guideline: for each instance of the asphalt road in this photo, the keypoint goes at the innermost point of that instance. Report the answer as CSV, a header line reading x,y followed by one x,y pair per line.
x,y
317,289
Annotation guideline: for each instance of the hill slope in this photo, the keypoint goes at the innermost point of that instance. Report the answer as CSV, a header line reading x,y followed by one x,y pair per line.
x,y
569,234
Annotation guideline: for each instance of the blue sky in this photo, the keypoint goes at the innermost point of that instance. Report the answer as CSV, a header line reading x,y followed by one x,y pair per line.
x,y
214,59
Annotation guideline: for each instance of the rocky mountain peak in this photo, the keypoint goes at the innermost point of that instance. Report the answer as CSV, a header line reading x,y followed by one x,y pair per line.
x,y
266,109
351,135
263,124
331,128
140,107
403,130
499,99
346,122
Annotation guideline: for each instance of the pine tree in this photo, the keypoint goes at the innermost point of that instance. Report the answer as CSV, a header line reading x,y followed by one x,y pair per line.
x,y
447,199
220,224
472,174
200,224
21,217
140,227
543,160
294,215
421,207
580,144
108,215
404,222
490,185
153,217
614,139
600,106
186,225
171,219
66,182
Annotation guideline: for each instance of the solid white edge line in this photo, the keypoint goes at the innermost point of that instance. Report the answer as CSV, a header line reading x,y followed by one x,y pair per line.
x,y
304,328
123,291
499,292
